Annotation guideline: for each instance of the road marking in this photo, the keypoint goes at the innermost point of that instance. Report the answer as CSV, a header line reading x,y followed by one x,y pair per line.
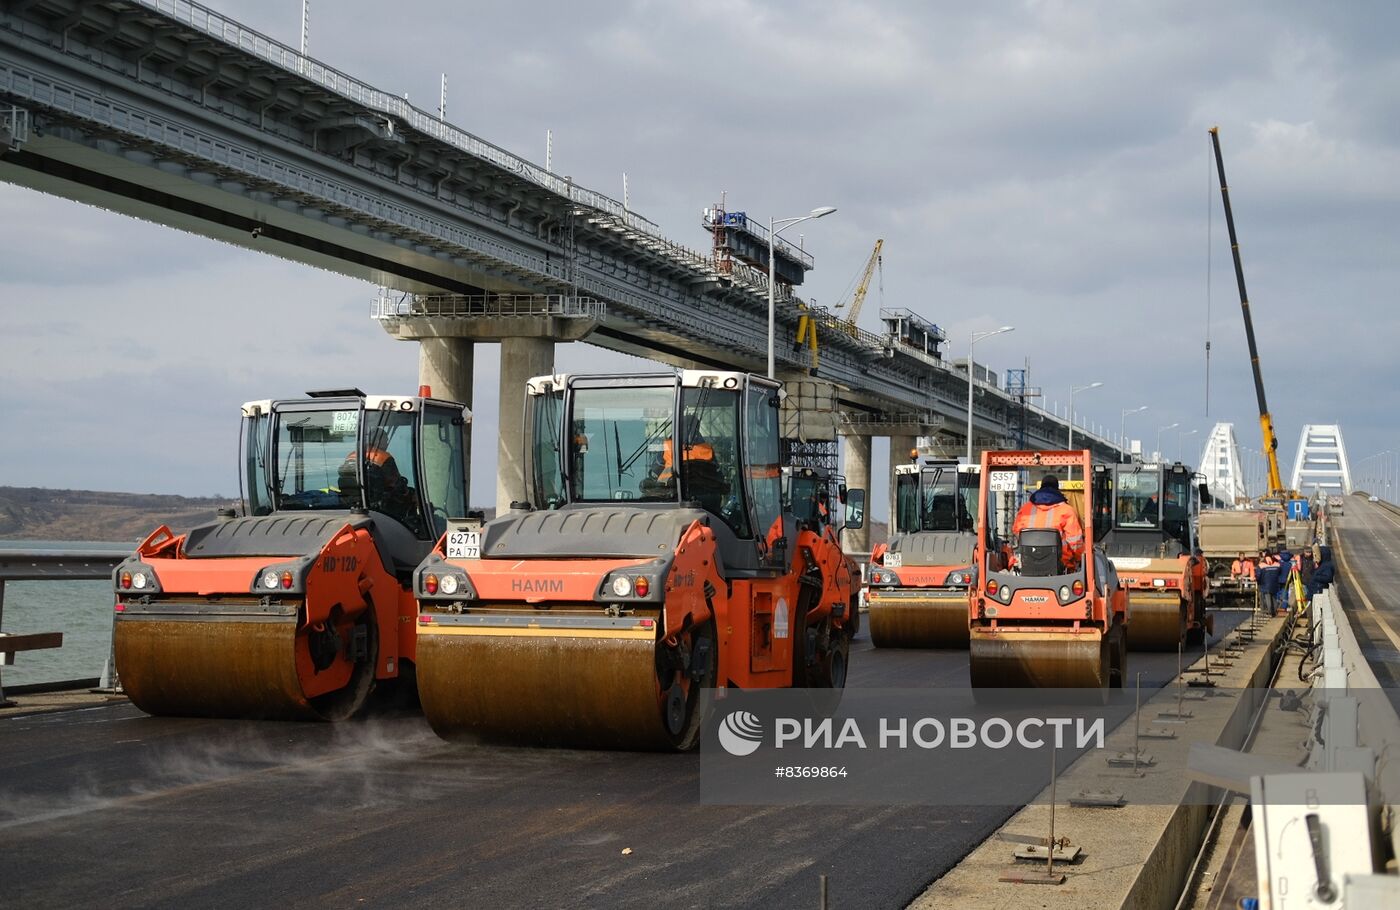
x,y
1356,585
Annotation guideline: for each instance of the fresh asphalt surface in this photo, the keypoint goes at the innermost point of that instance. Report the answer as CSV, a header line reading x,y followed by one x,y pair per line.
x,y
1369,537
108,806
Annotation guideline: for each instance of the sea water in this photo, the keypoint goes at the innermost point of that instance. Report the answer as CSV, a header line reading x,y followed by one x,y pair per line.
x,y
81,610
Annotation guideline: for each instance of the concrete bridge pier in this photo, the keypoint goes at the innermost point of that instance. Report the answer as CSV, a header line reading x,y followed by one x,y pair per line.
x,y
901,444
445,366
521,359
856,468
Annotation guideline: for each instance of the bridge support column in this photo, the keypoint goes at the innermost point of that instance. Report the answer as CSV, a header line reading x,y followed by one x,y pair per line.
x,y
900,447
857,471
446,366
521,359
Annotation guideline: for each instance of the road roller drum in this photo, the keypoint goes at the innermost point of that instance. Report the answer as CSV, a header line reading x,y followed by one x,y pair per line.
x,y
909,619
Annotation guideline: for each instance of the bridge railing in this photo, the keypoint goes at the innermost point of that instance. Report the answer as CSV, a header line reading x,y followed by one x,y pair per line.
x,y
391,304
49,565
205,20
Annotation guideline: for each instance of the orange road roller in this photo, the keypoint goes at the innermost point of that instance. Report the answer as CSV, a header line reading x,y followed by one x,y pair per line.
x,y
655,560
1047,608
1145,518
919,580
300,606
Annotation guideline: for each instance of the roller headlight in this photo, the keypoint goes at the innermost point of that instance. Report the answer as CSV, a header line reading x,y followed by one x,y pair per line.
x,y
621,586
1064,592
1005,594
139,580
449,584
271,579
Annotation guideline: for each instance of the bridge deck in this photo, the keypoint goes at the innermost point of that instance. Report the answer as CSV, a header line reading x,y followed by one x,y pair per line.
x,y
1369,579
109,805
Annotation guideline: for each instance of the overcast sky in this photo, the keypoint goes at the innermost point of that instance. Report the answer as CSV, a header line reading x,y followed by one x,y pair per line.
x,y
1040,164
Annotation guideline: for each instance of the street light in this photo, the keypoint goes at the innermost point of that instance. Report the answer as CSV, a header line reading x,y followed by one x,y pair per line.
x,y
1179,435
773,231
1075,390
977,336
1171,426
1123,428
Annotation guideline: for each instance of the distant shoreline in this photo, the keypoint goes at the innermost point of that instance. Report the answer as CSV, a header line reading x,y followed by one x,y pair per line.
x,y
30,514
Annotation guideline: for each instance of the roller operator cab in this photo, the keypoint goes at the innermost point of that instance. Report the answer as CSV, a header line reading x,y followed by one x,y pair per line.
x,y
1145,518
1047,608
919,580
654,559
302,605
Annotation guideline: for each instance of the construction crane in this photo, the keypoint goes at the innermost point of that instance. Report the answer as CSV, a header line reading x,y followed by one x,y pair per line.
x,y
1266,420
858,298
808,319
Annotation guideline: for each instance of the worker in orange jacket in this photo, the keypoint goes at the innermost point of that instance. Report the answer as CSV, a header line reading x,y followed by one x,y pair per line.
x,y
1048,508
1242,568
386,489
696,449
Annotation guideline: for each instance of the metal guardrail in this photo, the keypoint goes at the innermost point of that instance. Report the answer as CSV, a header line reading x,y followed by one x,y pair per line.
x,y
395,305
14,127
861,420
226,30
48,565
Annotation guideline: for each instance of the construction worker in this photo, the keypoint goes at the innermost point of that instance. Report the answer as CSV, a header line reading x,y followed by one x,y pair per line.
x,y
696,449
705,481
386,490
1286,567
1242,569
1324,573
1048,508
1268,580
1194,582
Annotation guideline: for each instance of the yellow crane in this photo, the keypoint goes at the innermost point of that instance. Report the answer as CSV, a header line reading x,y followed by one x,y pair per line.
x,y
807,322
858,298
1266,420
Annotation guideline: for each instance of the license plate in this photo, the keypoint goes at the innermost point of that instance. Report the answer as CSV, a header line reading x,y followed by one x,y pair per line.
x,y
1002,481
463,544
894,560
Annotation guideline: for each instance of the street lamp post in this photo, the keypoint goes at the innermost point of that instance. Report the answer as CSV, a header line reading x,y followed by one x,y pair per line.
x,y
1179,436
972,342
1075,390
1170,426
774,229
1123,428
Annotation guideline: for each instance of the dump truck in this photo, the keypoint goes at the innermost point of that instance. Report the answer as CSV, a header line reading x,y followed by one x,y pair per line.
x,y
1145,518
919,580
302,605
653,559
1036,620
1226,533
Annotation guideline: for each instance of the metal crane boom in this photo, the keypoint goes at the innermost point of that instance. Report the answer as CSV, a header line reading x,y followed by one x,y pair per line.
x,y
1266,420
858,298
